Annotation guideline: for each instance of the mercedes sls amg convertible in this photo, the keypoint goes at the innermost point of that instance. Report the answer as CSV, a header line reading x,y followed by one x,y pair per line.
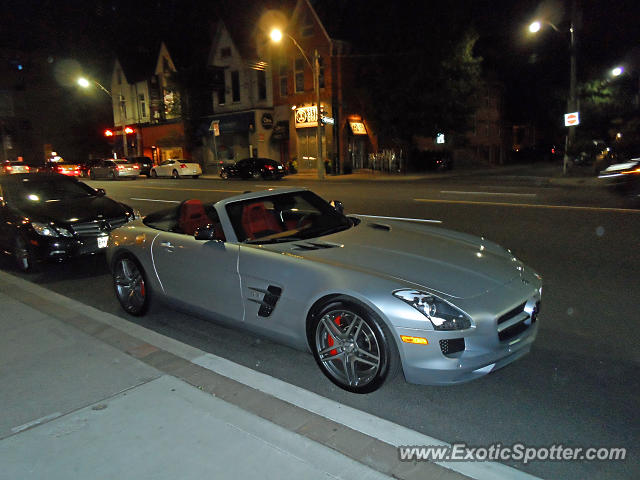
x,y
366,297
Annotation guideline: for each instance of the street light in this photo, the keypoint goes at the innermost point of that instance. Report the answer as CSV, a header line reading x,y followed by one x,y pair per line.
x,y
276,36
616,72
85,83
535,27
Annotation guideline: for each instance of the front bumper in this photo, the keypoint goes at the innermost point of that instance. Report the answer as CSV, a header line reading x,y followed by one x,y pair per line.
x,y
62,248
504,328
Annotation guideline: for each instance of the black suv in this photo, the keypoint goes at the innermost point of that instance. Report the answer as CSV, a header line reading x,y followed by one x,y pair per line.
x,y
264,168
144,163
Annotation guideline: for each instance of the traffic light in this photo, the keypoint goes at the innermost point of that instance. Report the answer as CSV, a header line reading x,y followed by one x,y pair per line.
x,y
108,133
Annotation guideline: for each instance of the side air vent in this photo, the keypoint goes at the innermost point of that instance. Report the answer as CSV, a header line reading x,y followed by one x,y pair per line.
x,y
268,302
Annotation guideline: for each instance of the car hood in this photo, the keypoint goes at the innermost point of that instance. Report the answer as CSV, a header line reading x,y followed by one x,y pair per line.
x,y
444,261
76,210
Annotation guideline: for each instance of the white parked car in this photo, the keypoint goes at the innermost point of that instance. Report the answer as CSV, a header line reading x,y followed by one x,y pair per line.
x,y
176,168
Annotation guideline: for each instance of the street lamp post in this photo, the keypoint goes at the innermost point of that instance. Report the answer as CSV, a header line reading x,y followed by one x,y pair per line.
x,y
276,36
84,83
571,102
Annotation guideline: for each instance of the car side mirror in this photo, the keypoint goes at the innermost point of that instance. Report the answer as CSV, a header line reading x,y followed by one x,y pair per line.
x,y
101,192
205,233
337,205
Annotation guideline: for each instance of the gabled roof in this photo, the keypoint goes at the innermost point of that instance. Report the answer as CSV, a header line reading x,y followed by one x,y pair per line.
x,y
247,20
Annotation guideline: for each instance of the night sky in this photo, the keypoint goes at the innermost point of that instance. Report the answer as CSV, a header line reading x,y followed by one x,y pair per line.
x,y
90,32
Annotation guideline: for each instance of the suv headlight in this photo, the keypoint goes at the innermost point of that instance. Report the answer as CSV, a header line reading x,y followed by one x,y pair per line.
x,y
48,230
441,313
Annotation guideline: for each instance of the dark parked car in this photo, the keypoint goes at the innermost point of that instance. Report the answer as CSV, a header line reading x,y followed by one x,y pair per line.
x,y
264,168
48,216
114,168
144,164
85,167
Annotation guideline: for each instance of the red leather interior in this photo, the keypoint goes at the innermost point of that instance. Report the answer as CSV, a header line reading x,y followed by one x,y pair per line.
x,y
257,221
192,216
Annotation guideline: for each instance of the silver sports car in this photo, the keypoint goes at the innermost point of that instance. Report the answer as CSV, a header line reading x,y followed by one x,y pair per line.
x,y
366,297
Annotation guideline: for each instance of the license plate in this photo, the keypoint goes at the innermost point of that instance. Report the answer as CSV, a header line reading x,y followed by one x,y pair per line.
x,y
102,242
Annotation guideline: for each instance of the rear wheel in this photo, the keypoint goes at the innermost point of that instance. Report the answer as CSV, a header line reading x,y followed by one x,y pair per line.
x,y
154,174
353,347
22,255
224,175
92,175
131,286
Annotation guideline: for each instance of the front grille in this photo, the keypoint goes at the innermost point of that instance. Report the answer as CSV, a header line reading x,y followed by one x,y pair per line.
x,y
98,227
452,345
514,322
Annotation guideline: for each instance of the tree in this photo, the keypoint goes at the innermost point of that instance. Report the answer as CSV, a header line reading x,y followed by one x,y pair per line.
x,y
422,92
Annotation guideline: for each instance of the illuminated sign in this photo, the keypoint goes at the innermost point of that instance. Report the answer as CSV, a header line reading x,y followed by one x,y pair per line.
x,y
440,138
358,128
571,119
306,117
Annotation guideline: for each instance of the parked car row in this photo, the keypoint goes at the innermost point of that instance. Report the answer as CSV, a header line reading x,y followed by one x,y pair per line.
x,y
366,299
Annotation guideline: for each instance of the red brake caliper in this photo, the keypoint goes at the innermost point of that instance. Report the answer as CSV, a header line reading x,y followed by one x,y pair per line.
x,y
330,340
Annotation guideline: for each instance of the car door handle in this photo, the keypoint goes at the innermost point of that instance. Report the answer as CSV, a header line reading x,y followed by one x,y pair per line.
x,y
166,244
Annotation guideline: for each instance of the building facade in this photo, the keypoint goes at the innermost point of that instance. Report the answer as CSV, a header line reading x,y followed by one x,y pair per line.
x,y
242,102
146,100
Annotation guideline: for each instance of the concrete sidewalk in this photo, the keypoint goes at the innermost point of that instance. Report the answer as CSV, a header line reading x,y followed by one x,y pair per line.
x,y
86,394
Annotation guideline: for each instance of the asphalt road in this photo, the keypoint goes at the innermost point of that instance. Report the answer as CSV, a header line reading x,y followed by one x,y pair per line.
x,y
579,385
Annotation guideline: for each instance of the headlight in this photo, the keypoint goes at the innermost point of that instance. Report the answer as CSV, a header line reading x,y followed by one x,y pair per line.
x,y
442,314
48,230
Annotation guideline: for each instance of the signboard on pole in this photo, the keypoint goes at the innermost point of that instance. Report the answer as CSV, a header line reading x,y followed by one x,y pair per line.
x,y
215,128
571,119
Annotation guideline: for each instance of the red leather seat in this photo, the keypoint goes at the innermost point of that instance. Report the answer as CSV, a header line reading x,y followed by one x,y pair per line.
x,y
258,222
192,216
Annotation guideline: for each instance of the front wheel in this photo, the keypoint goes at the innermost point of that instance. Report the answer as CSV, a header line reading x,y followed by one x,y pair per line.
x,y
224,175
154,174
175,174
131,286
353,347
112,175
256,175
92,175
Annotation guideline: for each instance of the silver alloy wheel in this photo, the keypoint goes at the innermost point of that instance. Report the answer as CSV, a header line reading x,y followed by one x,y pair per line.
x,y
130,286
175,174
224,175
348,348
22,255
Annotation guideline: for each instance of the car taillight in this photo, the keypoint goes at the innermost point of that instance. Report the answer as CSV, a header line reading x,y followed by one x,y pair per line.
x,y
9,168
269,167
182,165
120,167
136,166
26,167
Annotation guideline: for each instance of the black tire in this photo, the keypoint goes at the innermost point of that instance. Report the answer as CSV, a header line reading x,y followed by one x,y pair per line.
x,y
154,174
131,286
256,175
112,175
22,255
224,175
175,174
92,175
352,346
195,176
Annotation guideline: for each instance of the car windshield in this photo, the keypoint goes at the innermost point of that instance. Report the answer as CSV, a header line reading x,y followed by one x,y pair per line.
x,y
44,190
284,217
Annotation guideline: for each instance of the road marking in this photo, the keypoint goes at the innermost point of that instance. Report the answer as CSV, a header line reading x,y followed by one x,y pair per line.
x,y
33,423
399,218
189,189
530,205
489,193
154,200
